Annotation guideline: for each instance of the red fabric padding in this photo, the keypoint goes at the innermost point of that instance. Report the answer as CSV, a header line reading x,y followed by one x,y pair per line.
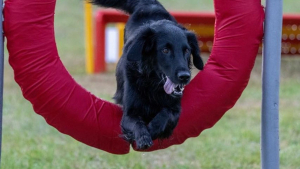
x,y
72,110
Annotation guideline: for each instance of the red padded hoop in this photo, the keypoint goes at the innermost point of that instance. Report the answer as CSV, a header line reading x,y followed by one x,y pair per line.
x,y
72,110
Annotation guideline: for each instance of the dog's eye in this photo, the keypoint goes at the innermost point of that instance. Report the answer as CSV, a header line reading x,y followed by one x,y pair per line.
x,y
165,51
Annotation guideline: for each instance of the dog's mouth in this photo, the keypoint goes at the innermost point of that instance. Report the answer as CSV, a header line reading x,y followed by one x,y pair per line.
x,y
172,88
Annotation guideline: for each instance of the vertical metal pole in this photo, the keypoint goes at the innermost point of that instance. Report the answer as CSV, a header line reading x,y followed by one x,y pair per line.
x,y
1,75
270,86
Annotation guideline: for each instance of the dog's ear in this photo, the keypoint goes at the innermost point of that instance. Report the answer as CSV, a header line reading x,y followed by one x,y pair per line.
x,y
140,44
195,50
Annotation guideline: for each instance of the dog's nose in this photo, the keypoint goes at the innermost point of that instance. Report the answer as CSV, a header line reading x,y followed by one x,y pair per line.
x,y
183,76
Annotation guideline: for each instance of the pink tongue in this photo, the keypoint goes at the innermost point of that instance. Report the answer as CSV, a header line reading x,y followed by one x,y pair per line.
x,y
169,86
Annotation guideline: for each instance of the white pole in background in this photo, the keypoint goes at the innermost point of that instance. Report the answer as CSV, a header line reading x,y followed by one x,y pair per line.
x,y
270,86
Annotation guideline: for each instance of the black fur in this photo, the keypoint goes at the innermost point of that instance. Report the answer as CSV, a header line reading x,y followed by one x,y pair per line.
x,y
156,47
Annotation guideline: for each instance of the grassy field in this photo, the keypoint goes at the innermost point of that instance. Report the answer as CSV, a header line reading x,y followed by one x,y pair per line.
x,y
234,142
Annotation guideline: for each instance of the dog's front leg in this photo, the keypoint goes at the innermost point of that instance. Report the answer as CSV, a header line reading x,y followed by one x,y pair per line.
x,y
134,129
163,124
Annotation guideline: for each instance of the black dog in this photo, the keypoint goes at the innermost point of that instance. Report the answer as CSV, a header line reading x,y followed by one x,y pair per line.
x,y
153,70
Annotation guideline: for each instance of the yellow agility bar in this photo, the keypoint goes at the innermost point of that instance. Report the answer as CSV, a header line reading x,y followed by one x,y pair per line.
x,y
120,28
89,46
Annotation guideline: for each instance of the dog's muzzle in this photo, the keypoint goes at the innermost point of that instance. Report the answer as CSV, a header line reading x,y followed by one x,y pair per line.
x,y
172,88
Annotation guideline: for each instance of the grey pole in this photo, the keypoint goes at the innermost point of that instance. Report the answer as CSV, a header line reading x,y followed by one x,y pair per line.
x,y
270,86
1,75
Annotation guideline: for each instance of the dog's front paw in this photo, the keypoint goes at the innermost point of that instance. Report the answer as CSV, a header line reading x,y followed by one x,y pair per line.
x,y
144,142
160,134
154,132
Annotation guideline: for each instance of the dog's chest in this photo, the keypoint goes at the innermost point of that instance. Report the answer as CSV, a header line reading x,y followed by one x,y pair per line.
x,y
150,96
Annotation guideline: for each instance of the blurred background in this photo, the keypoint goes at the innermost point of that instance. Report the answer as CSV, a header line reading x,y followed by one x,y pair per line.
x,y
234,142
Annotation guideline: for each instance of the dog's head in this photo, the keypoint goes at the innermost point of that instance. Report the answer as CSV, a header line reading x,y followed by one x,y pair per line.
x,y
167,48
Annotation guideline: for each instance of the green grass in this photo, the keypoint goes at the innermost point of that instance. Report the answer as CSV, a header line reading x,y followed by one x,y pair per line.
x,y
234,142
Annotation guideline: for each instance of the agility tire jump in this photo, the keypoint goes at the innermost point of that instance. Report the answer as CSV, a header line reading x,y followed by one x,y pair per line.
x,y
72,110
